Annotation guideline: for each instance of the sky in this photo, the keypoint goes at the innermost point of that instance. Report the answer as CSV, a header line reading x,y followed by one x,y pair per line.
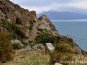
x,y
53,5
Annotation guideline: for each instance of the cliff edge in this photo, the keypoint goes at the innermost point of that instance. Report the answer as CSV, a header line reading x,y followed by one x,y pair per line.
x,y
26,31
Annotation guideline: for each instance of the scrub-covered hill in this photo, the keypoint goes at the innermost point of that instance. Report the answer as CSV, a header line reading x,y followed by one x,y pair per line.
x,y
26,36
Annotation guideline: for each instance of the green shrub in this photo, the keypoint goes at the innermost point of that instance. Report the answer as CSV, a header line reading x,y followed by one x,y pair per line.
x,y
46,37
64,48
65,44
61,57
13,29
5,48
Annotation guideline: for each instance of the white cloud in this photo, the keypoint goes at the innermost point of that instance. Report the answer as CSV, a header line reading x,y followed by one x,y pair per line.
x,y
80,4
55,5
39,9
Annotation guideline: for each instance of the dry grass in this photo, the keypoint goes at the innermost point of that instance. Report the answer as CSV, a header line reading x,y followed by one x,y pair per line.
x,y
29,58
70,58
79,59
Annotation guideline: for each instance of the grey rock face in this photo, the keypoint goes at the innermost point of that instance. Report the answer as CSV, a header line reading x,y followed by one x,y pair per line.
x,y
78,50
28,48
47,24
39,47
17,44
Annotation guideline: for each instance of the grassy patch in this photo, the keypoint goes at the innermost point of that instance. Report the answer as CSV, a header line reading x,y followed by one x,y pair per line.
x,y
29,58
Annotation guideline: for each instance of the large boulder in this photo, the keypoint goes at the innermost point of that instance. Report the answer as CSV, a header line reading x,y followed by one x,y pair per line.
x,y
17,44
47,24
78,50
39,47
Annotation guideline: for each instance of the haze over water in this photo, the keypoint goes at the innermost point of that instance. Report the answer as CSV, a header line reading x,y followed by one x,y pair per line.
x,y
75,29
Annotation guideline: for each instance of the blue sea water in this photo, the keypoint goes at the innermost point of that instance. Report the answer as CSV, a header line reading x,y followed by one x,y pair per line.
x,y
76,29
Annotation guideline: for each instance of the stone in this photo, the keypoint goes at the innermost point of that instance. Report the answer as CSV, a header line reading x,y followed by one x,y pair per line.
x,y
57,64
78,50
17,44
28,48
39,47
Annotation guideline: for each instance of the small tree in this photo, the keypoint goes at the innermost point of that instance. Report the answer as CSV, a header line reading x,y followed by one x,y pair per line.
x,y
5,47
46,37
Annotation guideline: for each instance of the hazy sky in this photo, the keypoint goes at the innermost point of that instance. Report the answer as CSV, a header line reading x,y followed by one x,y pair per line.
x,y
53,5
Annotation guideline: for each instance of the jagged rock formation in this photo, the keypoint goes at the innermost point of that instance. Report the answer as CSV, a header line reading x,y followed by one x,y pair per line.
x,y
26,21
24,25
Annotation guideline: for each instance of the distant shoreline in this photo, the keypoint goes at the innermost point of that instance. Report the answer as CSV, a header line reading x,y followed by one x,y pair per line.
x,y
79,20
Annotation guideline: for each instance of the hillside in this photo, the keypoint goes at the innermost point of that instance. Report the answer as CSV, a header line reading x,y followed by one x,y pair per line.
x,y
23,37
26,21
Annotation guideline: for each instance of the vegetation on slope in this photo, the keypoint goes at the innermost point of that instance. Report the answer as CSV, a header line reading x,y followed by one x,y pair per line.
x,y
45,37
29,58
23,25
6,49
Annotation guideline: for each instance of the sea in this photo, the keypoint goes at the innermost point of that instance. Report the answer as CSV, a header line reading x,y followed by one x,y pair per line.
x,y
76,29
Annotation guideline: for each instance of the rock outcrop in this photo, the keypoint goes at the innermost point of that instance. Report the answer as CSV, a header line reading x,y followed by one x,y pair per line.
x,y
26,21
22,24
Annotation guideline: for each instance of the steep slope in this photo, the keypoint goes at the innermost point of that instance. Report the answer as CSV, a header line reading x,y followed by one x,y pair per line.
x,y
26,28
25,21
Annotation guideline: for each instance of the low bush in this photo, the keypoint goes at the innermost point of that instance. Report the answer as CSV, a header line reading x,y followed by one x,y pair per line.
x,y
64,48
13,29
6,49
61,57
46,37
65,45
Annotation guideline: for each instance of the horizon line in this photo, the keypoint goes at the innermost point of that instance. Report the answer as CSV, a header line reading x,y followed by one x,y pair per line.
x,y
72,20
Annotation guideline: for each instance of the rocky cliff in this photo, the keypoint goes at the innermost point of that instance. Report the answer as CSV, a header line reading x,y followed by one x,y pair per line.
x,y
23,25
24,20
